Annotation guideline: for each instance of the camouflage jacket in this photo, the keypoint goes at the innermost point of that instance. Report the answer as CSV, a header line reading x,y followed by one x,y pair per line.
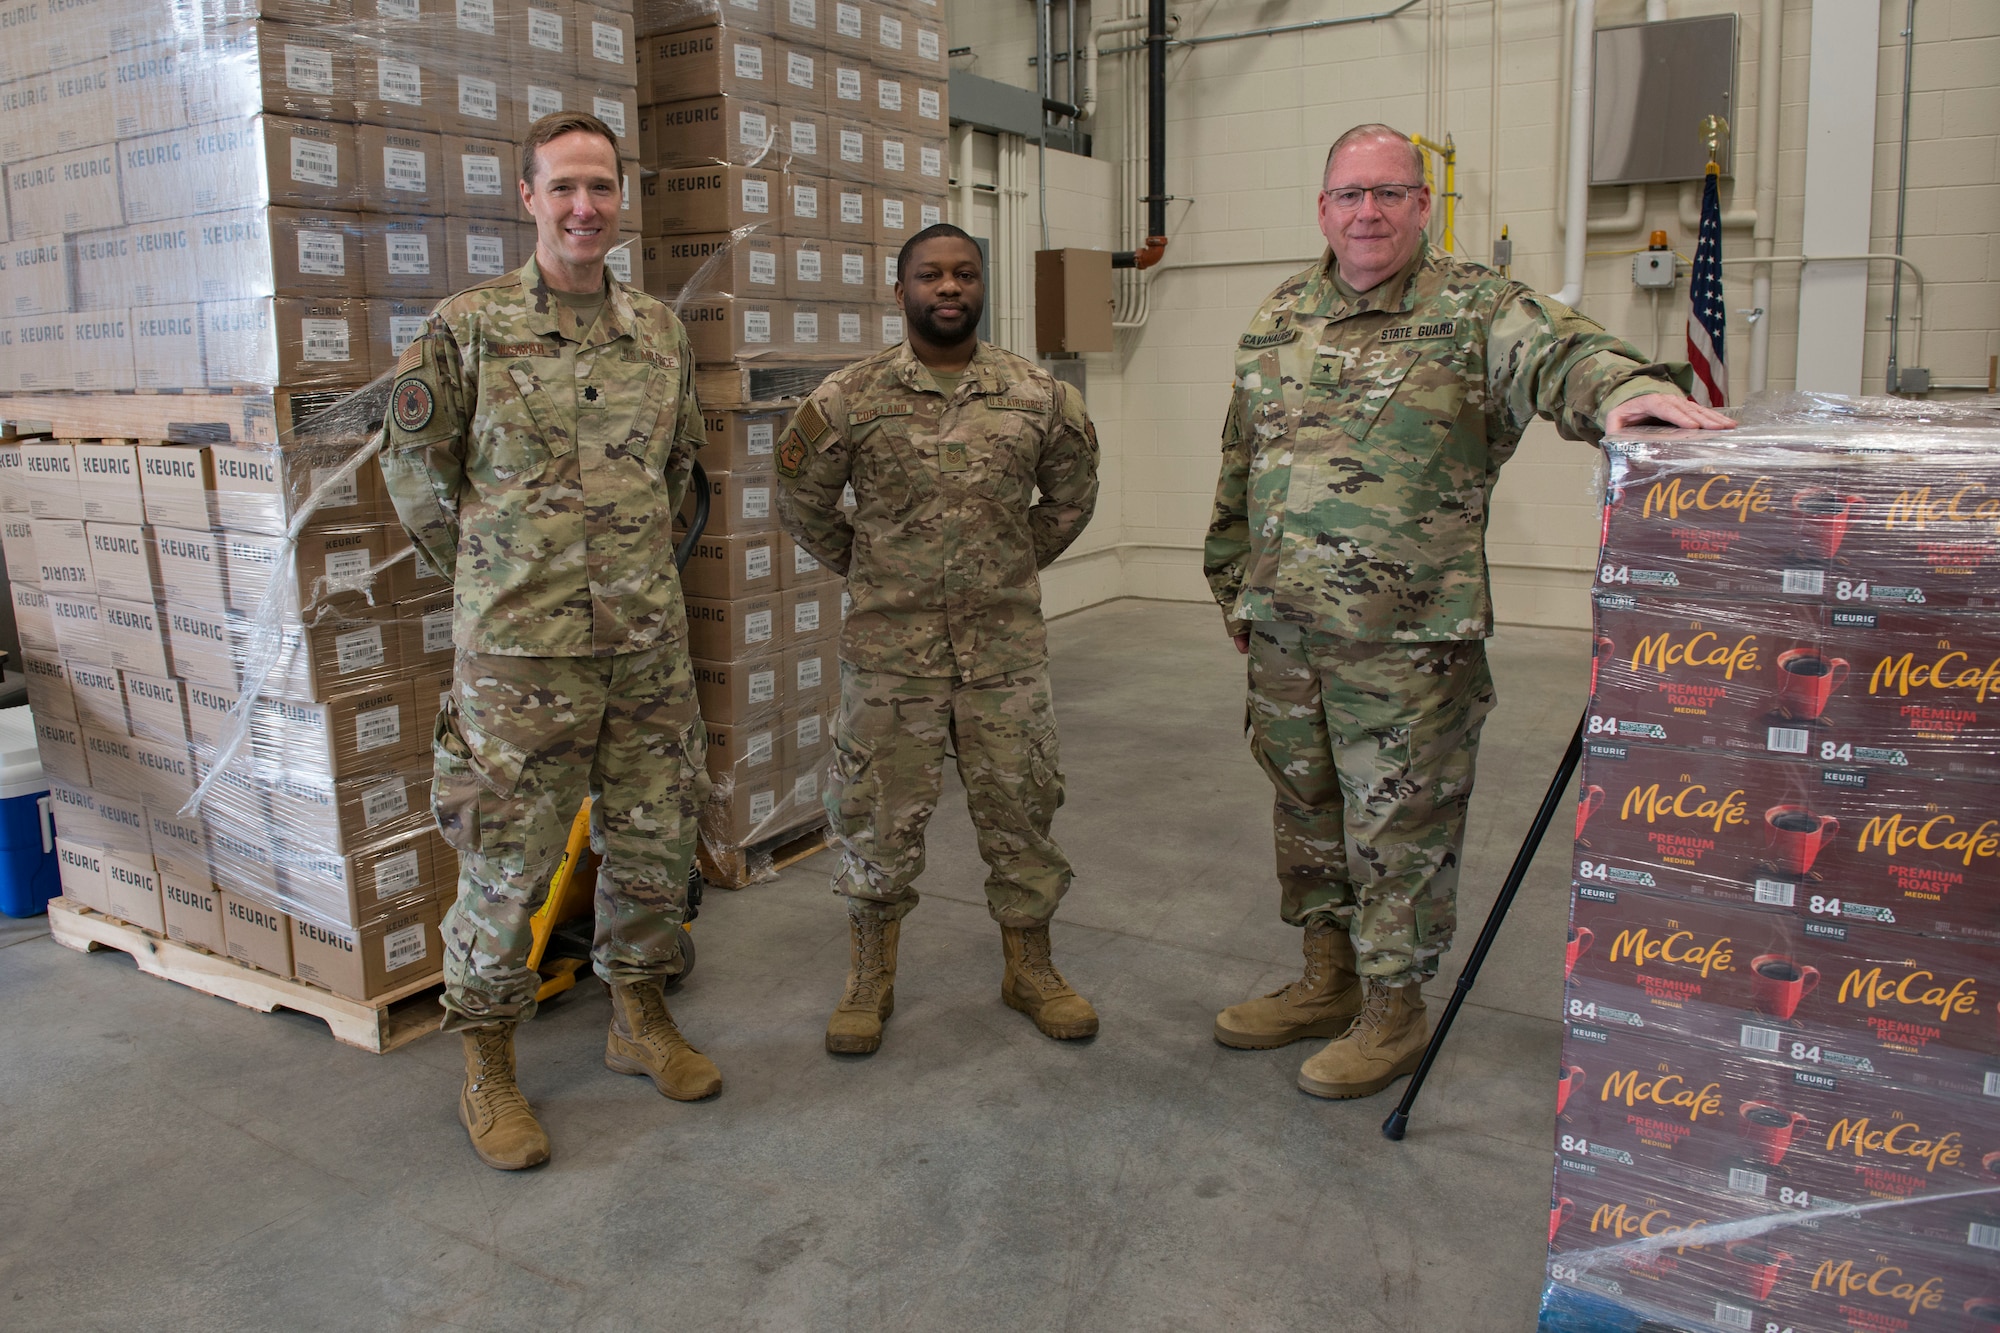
x,y
941,551
539,466
1366,430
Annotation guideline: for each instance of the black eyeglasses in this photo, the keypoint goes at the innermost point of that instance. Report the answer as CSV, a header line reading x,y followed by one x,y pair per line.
x,y
1348,198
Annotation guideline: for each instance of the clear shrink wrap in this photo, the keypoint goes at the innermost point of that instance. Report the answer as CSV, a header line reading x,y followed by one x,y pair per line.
x,y
1778,1107
224,196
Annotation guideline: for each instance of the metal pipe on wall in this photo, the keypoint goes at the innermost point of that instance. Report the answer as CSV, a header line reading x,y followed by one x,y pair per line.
x,y
1889,384
1770,45
1576,203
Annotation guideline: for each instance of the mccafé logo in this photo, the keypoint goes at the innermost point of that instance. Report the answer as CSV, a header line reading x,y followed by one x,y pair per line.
x,y
1668,1090
1904,1139
1936,834
1660,652
1678,948
1623,1222
1844,1279
1918,509
1950,672
1673,498
1690,802
1916,990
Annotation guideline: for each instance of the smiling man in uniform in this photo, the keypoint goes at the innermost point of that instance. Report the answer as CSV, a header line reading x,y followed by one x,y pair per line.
x,y
540,437
1376,396
946,440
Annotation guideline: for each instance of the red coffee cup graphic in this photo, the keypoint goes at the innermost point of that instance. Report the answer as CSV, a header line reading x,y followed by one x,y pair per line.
x,y
1990,1164
1601,650
1777,984
1757,1266
1586,805
1769,1129
1562,1210
1983,1314
1796,834
1806,680
1822,517
1579,944
1566,1085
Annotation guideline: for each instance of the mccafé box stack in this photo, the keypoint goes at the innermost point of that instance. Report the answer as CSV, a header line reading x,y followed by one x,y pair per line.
x,y
1778,1106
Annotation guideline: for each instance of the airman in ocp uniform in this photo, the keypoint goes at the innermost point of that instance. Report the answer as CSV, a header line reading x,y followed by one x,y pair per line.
x,y
946,441
540,437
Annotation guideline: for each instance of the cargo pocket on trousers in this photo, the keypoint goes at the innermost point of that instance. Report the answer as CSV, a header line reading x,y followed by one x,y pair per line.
x,y
469,768
853,782
1045,767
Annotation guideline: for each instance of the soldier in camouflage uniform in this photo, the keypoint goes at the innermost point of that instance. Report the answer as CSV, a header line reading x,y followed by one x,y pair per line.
x,y
945,440
1377,394
540,437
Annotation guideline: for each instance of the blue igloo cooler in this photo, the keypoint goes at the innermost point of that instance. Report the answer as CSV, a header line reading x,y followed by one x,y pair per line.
x,y
27,835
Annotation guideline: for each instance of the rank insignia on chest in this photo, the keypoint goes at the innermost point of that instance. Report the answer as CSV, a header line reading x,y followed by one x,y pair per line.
x,y
791,454
951,456
412,405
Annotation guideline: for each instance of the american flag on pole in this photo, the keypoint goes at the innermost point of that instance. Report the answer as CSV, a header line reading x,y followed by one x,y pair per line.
x,y
1705,318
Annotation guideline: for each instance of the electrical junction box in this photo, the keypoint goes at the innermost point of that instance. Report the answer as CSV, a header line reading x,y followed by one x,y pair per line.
x,y
1072,301
1653,268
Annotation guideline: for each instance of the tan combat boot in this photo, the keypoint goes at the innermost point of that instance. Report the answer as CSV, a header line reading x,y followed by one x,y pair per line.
x,y
1386,1042
644,1040
504,1130
1032,985
870,997
1322,1003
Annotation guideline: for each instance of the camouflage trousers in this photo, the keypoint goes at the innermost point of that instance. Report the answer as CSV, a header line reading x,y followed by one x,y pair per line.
x,y
1370,747
888,772
519,745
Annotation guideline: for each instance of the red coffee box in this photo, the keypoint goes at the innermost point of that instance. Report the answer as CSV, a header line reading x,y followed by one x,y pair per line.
x,y
1843,985
1917,851
1707,1115
1865,1281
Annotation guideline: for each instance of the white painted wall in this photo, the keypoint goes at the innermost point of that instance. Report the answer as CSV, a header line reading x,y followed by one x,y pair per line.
x,y
1248,125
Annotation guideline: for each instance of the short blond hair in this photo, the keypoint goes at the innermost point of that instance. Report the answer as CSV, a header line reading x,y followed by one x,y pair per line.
x,y
1374,130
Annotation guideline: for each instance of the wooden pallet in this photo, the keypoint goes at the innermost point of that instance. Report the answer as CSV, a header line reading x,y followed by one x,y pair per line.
x,y
379,1025
736,867
195,417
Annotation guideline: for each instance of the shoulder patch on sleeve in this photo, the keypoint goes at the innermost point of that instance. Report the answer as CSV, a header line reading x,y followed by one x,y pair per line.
x,y
412,404
792,452
811,423
412,357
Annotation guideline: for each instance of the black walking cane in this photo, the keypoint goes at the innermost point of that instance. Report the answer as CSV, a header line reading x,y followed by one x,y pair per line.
x,y
1399,1119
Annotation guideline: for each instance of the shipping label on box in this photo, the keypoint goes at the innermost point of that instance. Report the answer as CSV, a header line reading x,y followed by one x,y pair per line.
x,y
852,218
606,47
479,179
398,84
810,729
372,960
683,200
480,250
732,631
406,257
811,612
730,567
740,441
748,267
393,325
481,103
745,752
725,328
803,138
705,62
402,171
808,201
812,670
309,163
121,561
307,252
800,71
732,692
740,503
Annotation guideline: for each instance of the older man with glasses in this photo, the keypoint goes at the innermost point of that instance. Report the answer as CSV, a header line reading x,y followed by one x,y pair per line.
x,y
1376,396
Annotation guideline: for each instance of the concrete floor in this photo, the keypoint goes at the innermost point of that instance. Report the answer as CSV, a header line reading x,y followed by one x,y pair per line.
x,y
173,1161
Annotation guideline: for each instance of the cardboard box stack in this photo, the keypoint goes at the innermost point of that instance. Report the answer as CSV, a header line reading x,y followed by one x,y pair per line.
x,y
273,194
145,577
1785,924
819,124
792,146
